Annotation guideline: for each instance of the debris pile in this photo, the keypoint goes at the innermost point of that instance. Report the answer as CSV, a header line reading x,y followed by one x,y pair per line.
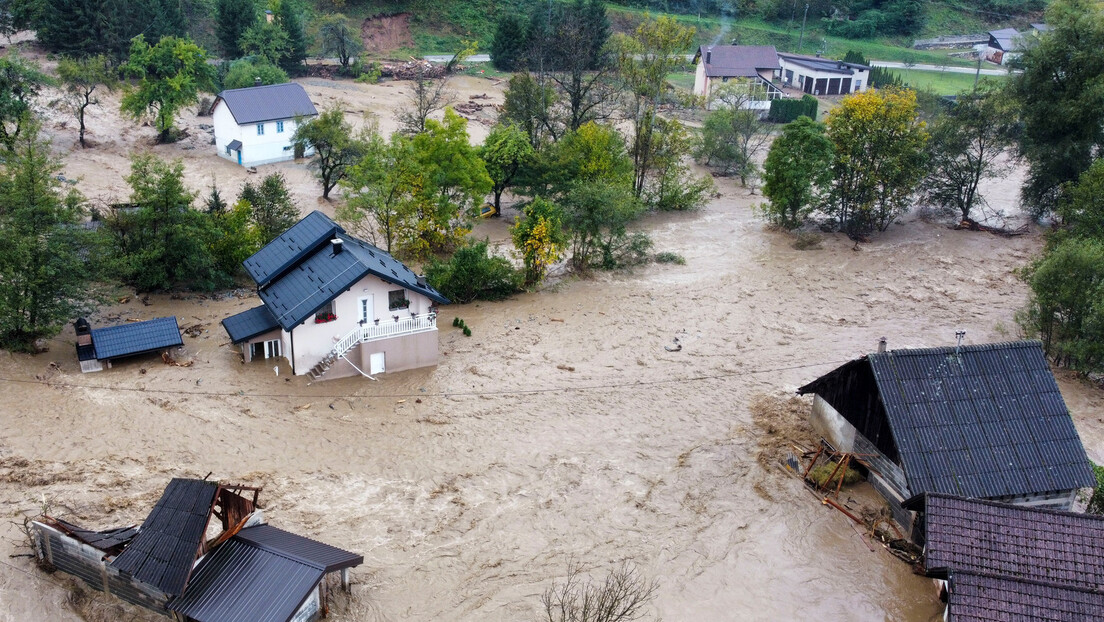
x,y
412,70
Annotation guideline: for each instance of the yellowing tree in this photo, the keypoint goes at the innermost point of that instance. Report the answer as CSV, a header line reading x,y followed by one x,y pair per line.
x,y
540,238
879,158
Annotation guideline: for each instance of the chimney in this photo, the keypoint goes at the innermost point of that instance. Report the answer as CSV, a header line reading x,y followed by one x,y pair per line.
x,y
82,327
709,56
882,345
338,246
256,81
268,17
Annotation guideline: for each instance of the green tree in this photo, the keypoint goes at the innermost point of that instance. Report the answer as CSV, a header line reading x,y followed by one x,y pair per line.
x,y
510,43
379,193
733,134
236,237
597,216
672,186
232,19
592,154
879,158
170,76
644,59
797,164
1066,309
966,147
42,276
244,72
1082,208
267,40
528,104
81,78
338,39
167,20
580,63
429,95
271,209
162,242
505,152
472,273
539,238
1060,96
289,16
20,82
336,146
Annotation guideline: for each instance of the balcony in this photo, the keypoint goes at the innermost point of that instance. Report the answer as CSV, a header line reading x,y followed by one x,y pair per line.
x,y
385,329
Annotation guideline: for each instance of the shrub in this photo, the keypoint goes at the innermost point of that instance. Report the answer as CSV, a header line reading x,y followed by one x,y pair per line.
x,y
787,110
669,257
467,332
807,241
474,274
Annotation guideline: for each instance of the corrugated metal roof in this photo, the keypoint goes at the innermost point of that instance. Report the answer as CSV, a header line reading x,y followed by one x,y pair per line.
x,y
1006,39
974,597
267,103
165,548
737,60
969,535
136,337
262,574
308,551
298,273
248,324
981,421
241,581
104,540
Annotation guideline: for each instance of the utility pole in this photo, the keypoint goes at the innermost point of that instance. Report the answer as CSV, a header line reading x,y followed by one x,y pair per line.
x,y
803,18
978,73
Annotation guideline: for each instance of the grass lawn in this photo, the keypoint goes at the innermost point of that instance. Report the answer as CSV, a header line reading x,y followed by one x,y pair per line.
x,y
941,82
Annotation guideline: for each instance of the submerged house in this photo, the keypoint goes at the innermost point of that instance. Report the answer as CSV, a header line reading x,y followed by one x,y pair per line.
x,y
979,421
754,65
255,125
336,306
97,347
205,554
996,561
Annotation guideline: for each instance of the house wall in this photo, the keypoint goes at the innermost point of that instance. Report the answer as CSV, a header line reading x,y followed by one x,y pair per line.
x,y
314,341
226,130
257,149
310,610
858,81
701,83
832,426
247,346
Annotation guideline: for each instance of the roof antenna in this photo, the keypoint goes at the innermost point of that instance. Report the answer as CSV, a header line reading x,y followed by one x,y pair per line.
x,y
959,336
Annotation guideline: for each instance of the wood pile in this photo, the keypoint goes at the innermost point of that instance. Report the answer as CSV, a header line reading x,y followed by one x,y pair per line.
x,y
412,70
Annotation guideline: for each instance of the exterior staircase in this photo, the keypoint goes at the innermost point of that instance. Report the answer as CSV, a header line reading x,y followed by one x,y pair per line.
x,y
373,332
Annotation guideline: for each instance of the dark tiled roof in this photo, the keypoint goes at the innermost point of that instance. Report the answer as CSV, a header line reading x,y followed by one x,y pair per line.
x,y
234,145
136,338
165,548
967,535
267,103
825,65
301,548
261,574
987,598
298,272
986,422
292,245
737,60
248,324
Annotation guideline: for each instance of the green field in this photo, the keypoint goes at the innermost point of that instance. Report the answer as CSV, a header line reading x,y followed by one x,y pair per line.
x,y
941,82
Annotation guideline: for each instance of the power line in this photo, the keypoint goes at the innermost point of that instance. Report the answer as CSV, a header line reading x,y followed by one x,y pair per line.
x,y
504,392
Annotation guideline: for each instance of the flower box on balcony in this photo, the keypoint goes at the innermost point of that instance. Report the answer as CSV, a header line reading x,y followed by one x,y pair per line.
x,y
322,318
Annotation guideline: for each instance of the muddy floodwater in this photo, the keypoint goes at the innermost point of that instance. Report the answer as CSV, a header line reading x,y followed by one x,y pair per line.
x,y
563,430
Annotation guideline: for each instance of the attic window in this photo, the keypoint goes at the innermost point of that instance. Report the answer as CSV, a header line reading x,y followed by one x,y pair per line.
x,y
396,299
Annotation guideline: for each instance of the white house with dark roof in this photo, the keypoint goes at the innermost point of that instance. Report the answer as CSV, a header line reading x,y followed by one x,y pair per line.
x,y
255,125
823,76
336,306
756,65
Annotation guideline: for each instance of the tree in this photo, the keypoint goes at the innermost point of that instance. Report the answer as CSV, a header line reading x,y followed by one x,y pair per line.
x,y
429,95
671,185
338,39
379,193
42,274
528,104
879,158
505,152
579,61
270,207
539,238
267,40
289,16
592,154
797,164
168,20
335,145
232,19
1066,309
966,145
597,215
472,273
509,44
235,237
162,243
170,76
733,134
15,15
20,82
622,596
244,72
654,50
1060,97
81,78
1082,208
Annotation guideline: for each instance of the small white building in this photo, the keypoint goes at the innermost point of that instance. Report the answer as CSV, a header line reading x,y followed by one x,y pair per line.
x,y
255,125
823,76
754,65
1007,44
336,306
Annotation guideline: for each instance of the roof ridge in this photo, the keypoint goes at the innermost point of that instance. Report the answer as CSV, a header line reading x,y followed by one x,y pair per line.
x,y
268,548
1033,581
1018,508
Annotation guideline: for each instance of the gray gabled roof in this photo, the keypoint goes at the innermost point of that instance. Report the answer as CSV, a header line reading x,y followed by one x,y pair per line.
x,y
731,61
256,104
168,541
262,574
984,597
981,421
248,324
136,338
1006,39
279,255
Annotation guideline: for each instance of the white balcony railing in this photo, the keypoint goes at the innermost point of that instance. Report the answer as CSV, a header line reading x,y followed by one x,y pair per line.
x,y
385,329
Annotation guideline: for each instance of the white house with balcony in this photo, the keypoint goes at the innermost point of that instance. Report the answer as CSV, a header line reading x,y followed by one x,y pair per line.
x,y
335,306
255,125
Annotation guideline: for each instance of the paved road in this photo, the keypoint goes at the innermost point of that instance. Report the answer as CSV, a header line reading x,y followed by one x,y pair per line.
x,y
970,70
444,58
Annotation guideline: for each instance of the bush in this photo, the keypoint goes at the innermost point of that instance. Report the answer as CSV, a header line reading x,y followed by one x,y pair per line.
x,y
467,332
244,72
474,274
786,110
807,241
669,257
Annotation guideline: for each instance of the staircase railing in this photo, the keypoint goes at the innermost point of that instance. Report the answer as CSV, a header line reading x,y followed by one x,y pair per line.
x,y
384,330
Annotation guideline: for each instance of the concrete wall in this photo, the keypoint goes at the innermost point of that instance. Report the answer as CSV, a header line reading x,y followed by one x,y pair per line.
x,y
273,146
247,346
832,426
